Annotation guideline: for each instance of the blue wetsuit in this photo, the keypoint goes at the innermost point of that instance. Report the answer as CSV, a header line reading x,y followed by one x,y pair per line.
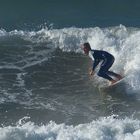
x,y
107,60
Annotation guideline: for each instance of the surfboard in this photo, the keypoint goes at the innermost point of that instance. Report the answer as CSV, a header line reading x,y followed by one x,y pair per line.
x,y
116,88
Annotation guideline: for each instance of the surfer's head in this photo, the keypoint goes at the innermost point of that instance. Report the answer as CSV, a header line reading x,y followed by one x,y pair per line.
x,y
86,48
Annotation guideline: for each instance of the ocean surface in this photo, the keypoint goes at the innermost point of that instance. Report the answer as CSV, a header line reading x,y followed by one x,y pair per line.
x,y
46,92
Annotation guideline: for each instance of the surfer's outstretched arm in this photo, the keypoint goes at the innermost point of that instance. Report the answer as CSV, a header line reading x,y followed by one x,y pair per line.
x,y
91,72
95,64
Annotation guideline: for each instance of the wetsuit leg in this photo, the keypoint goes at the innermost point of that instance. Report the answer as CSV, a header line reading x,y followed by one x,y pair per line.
x,y
108,65
103,72
113,74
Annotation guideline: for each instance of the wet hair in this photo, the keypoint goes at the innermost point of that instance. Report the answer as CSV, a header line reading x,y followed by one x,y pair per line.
x,y
87,46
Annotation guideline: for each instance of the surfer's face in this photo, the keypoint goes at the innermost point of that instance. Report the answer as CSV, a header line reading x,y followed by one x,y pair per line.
x,y
86,51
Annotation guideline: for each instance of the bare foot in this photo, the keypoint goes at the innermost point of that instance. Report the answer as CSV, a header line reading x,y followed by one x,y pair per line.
x,y
113,81
119,77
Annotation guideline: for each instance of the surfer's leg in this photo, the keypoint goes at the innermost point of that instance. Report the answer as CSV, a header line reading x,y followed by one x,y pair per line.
x,y
106,66
103,74
118,76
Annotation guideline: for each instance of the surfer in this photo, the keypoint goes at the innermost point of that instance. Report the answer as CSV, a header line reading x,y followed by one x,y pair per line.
x,y
107,60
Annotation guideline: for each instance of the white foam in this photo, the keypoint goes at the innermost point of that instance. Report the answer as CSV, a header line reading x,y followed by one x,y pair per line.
x,y
101,129
122,42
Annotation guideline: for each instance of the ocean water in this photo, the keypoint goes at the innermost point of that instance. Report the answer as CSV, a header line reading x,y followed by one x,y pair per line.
x,y
45,90
31,15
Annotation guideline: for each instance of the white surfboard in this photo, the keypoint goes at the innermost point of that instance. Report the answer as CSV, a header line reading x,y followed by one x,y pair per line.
x,y
116,88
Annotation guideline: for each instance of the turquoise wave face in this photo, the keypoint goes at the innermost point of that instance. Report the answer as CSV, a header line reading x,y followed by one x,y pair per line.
x,y
45,74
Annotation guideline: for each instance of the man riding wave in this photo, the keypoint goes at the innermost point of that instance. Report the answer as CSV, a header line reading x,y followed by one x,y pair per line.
x,y
107,60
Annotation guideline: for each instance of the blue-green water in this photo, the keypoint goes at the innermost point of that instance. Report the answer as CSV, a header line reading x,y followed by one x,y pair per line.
x,y
45,90
17,14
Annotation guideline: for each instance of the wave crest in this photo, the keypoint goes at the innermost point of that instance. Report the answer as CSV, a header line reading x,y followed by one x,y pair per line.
x,y
102,129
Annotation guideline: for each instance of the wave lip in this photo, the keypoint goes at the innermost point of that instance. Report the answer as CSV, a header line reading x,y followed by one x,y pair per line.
x,y
36,47
109,128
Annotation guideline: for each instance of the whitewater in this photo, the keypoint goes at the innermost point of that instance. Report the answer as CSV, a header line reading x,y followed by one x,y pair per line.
x,y
47,94
102,129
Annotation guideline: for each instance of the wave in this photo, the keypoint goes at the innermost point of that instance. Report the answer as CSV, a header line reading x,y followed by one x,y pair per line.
x,y
123,42
69,39
108,128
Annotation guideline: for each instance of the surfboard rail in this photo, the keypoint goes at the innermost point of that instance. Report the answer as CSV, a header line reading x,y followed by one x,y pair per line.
x,y
116,88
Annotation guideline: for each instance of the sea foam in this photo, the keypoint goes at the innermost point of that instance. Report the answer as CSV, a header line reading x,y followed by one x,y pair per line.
x,y
123,42
109,128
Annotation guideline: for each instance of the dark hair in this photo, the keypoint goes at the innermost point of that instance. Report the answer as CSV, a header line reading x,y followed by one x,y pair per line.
x,y
87,46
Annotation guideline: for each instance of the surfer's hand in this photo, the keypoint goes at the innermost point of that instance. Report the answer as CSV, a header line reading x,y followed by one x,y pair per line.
x,y
91,72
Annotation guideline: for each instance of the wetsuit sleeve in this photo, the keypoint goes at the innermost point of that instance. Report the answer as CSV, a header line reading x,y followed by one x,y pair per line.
x,y
95,63
91,55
